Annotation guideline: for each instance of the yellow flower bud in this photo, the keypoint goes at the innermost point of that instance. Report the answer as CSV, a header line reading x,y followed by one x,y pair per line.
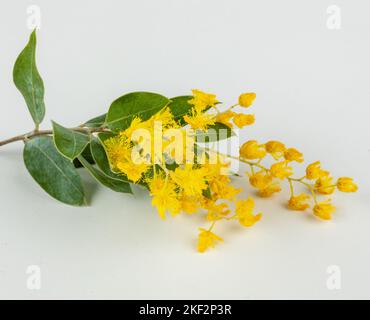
x,y
313,171
323,210
281,170
275,148
242,120
346,184
292,154
225,117
252,150
206,240
246,99
244,212
324,185
299,202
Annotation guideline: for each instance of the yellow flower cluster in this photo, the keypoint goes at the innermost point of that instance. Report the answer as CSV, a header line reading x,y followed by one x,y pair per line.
x,y
316,180
199,120
201,185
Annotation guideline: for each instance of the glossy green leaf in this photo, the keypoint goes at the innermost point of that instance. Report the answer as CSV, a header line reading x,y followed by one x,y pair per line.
x,y
70,143
28,80
137,104
180,107
105,135
216,132
109,182
86,153
53,172
96,122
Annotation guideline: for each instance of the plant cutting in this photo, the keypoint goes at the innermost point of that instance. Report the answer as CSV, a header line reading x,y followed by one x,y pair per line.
x,y
166,145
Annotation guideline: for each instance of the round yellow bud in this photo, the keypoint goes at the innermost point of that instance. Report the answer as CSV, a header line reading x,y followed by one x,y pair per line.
x,y
346,184
246,99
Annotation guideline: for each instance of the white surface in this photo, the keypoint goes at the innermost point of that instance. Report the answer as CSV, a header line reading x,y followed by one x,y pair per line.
x,y
313,93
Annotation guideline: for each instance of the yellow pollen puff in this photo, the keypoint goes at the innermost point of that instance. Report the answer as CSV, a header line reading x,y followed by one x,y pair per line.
x,y
242,120
191,180
244,212
246,99
162,189
252,150
206,240
292,154
199,120
346,184
323,210
132,170
299,202
117,149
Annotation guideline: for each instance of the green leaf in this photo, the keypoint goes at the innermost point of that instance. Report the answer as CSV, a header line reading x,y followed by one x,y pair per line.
x,y
101,159
70,143
28,80
53,172
96,122
105,135
180,107
109,182
216,132
86,153
137,104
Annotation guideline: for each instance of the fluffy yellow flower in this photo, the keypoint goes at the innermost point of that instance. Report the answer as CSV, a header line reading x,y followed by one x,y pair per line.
x,y
165,117
164,195
225,118
199,120
323,210
292,154
222,189
275,148
299,202
242,120
132,170
314,171
281,170
244,212
189,204
202,100
325,185
206,240
117,150
189,179
252,150
246,99
216,211
346,184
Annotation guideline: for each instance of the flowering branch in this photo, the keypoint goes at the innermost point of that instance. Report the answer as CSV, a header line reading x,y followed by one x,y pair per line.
x,y
143,139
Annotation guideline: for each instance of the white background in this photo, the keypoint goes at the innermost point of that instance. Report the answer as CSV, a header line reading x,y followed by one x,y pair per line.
x,y
312,88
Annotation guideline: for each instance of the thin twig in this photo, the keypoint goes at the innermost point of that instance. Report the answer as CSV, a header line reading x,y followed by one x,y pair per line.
x,y
35,133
